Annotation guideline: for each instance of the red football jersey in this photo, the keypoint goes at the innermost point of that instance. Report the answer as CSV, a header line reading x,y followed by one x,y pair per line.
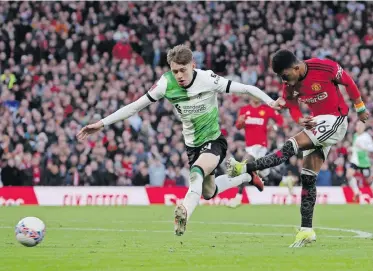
x,y
256,120
319,90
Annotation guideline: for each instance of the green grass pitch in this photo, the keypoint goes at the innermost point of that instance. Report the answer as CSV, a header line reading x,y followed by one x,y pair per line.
x,y
217,238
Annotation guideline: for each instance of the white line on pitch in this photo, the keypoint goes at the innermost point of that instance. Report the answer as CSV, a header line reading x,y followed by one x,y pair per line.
x,y
359,234
170,232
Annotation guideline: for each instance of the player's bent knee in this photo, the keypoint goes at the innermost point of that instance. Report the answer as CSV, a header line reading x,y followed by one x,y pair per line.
x,y
209,194
302,141
208,187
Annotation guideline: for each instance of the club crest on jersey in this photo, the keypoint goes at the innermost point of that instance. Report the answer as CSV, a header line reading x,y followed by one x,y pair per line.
x,y
262,113
316,87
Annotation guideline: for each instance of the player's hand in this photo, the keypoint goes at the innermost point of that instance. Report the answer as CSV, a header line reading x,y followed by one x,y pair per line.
x,y
307,122
89,130
241,121
363,116
278,104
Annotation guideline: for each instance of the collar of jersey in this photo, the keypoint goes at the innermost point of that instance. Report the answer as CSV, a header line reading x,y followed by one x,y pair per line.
x,y
194,78
304,76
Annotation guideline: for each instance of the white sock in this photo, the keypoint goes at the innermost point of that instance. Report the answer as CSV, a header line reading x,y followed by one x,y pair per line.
x,y
354,186
305,229
194,193
239,196
223,182
264,173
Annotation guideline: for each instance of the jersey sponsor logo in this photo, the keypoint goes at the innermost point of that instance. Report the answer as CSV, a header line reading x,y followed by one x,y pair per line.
x,y
316,87
178,108
314,99
257,121
262,113
190,109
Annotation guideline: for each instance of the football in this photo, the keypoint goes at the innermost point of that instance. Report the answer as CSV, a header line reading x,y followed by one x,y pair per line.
x,y
30,231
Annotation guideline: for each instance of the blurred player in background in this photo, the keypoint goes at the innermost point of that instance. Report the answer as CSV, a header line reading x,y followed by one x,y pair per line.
x,y
255,117
315,83
360,161
193,93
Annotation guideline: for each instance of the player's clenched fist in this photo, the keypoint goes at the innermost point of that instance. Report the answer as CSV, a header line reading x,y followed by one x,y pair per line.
x,y
90,129
363,116
307,122
278,104
240,121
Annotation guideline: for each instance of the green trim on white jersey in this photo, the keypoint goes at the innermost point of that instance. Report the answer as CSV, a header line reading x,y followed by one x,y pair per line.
x,y
196,105
360,157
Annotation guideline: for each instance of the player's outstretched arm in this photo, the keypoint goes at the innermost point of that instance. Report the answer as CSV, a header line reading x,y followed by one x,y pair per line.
x,y
121,114
236,87
343,78
154,94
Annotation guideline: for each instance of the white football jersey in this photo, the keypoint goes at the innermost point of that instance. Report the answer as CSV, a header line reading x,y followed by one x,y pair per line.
x,y
196,104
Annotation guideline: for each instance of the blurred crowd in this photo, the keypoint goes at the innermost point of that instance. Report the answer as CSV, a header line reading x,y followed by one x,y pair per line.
x,y
66,64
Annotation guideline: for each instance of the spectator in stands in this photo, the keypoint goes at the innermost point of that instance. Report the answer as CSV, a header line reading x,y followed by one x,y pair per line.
x,y
325,176
157,172
63,65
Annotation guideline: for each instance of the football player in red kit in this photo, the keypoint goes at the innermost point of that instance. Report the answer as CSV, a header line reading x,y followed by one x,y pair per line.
x,y
254,118
315,83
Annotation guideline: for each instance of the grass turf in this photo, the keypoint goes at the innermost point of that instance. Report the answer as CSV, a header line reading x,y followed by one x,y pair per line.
x,y
217,238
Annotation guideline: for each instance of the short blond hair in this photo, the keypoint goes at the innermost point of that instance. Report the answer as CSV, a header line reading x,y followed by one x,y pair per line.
x,y
180,54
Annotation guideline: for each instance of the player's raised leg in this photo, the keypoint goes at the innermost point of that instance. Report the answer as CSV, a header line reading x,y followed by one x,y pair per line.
x,y
213,186
257,182
291,147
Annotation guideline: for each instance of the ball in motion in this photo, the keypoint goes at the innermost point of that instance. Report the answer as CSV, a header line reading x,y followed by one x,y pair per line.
x,y
30,231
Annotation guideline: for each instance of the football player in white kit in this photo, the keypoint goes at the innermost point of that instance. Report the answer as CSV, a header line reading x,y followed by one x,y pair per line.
x,y
362,146
193,93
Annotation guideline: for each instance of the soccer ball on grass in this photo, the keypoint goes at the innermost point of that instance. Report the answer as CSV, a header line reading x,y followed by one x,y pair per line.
x,y
30,231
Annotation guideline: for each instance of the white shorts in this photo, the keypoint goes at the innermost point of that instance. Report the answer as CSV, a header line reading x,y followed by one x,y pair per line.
x,y
328,131
256,151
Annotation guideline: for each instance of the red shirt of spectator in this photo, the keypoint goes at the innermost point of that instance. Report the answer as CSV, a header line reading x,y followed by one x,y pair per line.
x,y
122,50
254,117
128,167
